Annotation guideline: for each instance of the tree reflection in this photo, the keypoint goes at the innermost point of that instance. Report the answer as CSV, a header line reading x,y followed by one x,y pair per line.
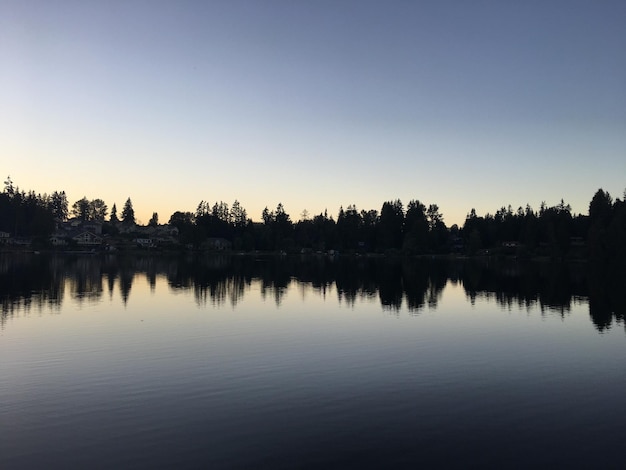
x,y
413,284
607,295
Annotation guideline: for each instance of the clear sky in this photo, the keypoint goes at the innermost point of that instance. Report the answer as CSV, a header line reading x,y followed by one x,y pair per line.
x,y
315,104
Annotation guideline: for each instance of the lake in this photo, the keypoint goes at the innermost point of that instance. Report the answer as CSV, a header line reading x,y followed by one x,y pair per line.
x,y
309,362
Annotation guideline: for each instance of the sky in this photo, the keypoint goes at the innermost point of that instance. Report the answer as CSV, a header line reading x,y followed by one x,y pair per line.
x,y
316,104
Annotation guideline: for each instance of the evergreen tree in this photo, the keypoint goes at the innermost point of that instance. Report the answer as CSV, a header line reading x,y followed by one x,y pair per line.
x,y
238,215
114,219
600,212
267,216
390,225
600,208
416,228
128,213
9,190
58,205
203,209
349,228
154,220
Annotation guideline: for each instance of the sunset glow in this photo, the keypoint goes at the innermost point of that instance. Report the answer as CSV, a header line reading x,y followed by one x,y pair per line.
x,y
314,104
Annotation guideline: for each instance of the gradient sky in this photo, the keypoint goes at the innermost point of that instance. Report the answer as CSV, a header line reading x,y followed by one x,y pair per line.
x,y
315,104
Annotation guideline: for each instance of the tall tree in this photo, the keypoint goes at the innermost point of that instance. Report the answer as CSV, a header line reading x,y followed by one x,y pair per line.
x,y
58,205
600,207
281,217
86,210
182,219
114,219
434,217
438,234
350,228
154,220
80,209
416,228
238,214
283,229
390,225
128,213
267,216
8,187
221,211
600,212
97,210
203,209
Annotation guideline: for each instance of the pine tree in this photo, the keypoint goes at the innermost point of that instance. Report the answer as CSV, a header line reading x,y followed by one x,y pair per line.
x,y
128,213
114,219
58,205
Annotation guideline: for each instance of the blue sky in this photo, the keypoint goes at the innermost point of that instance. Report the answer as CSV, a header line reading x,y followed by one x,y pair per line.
x,y
315,104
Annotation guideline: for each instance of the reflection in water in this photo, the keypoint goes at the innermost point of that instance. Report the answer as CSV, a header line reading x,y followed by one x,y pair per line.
x,y
28,281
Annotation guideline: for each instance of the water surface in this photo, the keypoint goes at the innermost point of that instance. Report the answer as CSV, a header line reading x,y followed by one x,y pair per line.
x,y
246,362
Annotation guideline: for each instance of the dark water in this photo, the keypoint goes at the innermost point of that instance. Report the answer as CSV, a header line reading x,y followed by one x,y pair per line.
x,y
243,362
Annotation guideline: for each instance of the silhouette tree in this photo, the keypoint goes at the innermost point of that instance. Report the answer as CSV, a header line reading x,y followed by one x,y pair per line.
x,y
280,216
58,205
128,213
616,234
267,216
369,227
154,220
238,215
349,228
87,210
97,210
9,190
204,208
80,209
600,211
438,232
600,208
26,214
390,225
113,219
323,232
433,215
221,211
415,228
282,229
184,222
555,229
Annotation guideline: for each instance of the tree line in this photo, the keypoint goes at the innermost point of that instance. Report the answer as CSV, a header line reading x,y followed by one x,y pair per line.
x,y
417,229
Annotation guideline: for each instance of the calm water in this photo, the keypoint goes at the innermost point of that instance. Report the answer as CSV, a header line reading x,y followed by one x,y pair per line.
x,y
222,362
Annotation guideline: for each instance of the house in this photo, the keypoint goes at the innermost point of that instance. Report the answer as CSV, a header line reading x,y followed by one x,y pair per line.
x,y
512,248
144,242
85,238
59,238
217,244
93,227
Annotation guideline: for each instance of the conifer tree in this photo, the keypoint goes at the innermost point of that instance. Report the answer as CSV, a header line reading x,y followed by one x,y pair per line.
x,y
114,219
128,213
